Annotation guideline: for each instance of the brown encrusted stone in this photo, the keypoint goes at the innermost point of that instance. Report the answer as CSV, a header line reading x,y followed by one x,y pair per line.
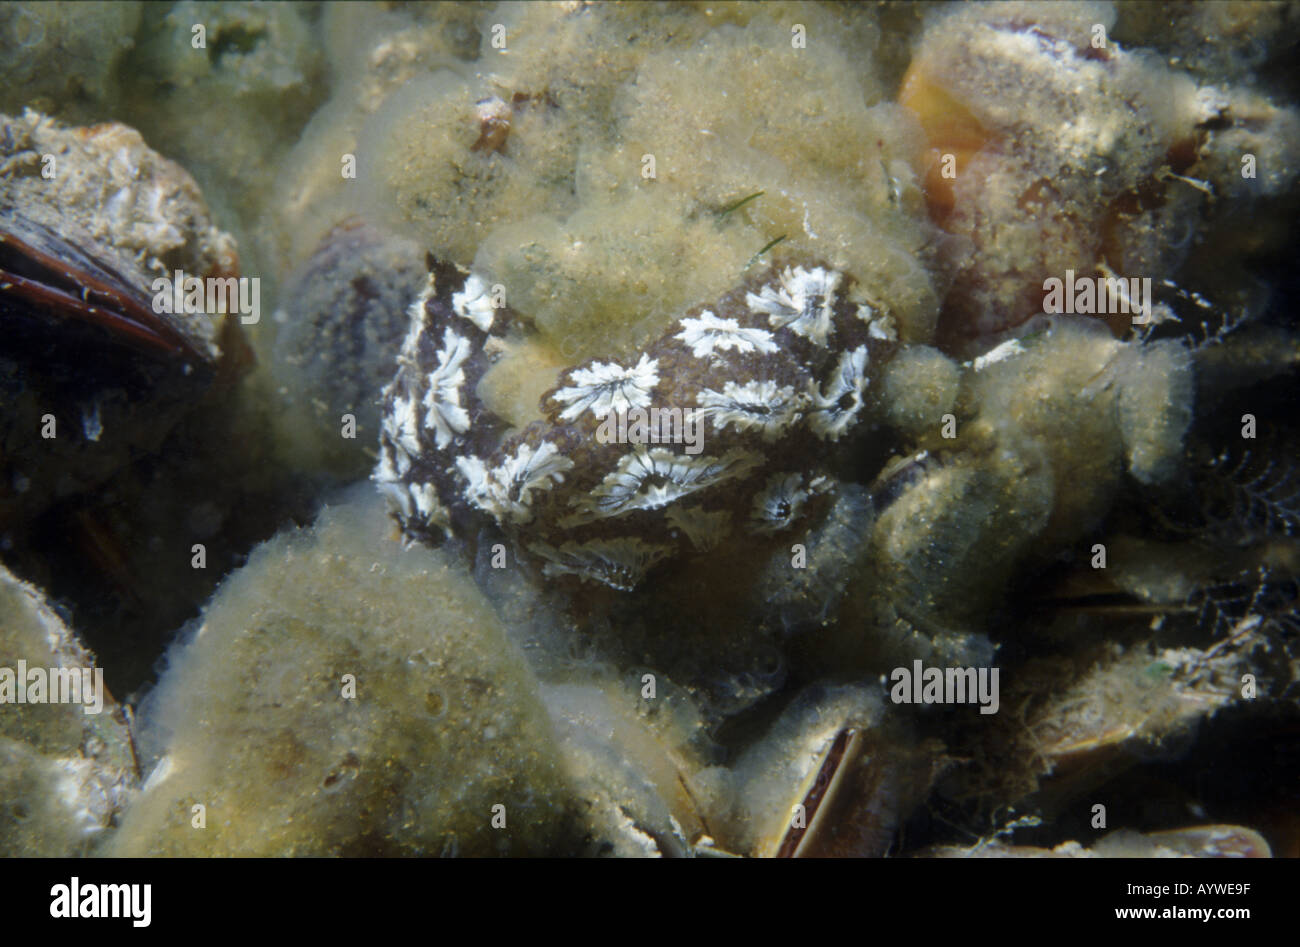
x,y
568,497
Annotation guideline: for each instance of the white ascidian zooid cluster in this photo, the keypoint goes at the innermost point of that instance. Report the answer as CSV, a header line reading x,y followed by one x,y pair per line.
x,y
778,371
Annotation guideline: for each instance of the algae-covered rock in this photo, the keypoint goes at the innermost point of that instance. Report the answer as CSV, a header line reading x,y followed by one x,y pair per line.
x,y
344,696
1096,406
586,167
226,88
949,544
921,385
341,323
66,765
62,56
1050,424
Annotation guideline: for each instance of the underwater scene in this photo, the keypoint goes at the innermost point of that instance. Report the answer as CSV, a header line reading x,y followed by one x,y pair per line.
x,y
732,429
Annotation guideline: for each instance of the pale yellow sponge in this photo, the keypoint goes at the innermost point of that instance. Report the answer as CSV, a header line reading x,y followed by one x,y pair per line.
x,y
346,696
65,755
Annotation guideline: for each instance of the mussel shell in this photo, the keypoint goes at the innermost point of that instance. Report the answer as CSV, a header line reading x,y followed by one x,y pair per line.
x,y
80,343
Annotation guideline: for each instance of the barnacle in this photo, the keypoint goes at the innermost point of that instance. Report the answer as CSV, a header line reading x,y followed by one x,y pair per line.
x,y
402,426
836,406
778,503
427,504
444,414
474,303
415,500
707,334
506,491
802,300
608,388
619,563
755,405
650,479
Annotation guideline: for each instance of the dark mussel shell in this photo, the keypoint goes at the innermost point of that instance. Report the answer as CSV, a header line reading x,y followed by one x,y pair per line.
x,y
81,343
44,277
